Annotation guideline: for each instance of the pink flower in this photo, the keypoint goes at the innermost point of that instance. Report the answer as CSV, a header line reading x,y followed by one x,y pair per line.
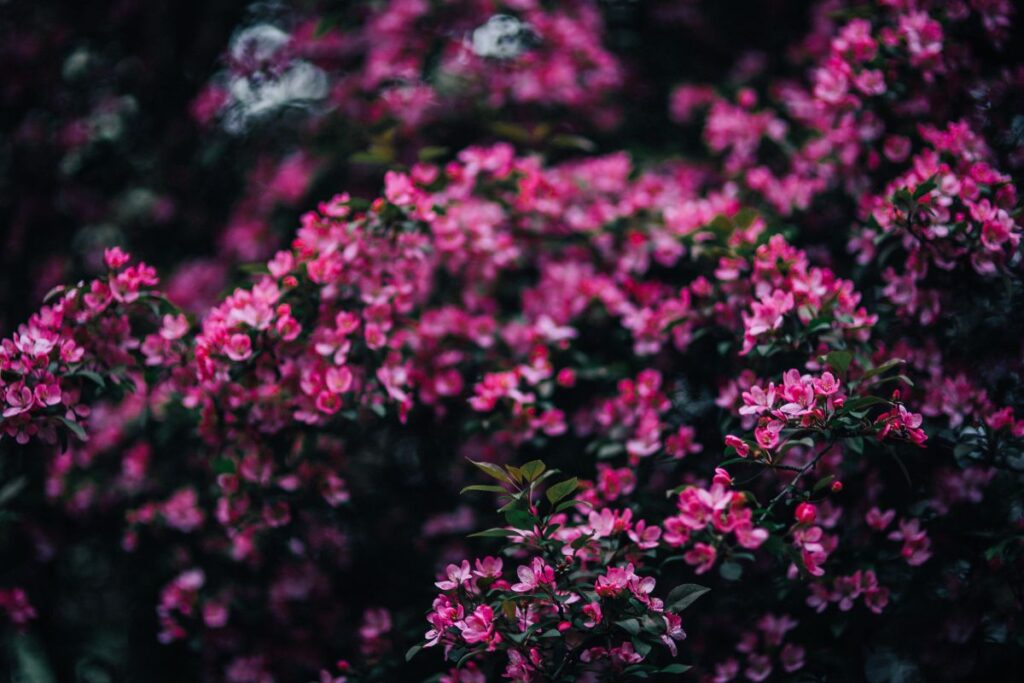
x,y
215,614
759,667
682,443
722,478
535,576
457,576
174,327
444,614
749,536
916,544
826,385
182,512
742,449
878,520
615,581
338,380
115,258
239,347
644,536
806,513
792,657
594,615
488,568
767,434
19,399
757,401
701,557
479,626
398,189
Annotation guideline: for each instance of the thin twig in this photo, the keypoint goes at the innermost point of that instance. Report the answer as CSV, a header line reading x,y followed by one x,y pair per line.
x,y
796,480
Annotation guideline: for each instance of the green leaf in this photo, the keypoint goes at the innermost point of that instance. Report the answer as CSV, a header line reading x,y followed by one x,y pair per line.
x,y
642,648
675,669
860,403
95,377
532,470
562,489
822,483
630,626
412,651
512,131
722,224
497,532
745,217
11,489
581,541
610,450
566,504
925,187
372,158
489,488
508,608
520,519
431,152
75,428
30,661
223,466
840,360
254,268
573,142
59,289
492,470
884,367
466,657
731,571
806,442
515,473
681,597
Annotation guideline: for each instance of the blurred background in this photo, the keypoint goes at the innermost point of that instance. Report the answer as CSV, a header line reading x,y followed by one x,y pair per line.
x,y
193,133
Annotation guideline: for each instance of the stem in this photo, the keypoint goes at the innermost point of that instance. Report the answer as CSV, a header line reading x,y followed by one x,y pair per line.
x,y
791,487
572,656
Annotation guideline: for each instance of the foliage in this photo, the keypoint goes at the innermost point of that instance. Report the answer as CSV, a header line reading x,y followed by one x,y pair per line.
x,y
753,411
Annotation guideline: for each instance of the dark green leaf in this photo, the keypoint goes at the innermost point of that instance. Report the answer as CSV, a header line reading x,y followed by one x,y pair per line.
x,y
94,377
11,489
731,571
75,428
840,360
884,367
675,669
642,648
520,519
493,470
489,488
431,152
532,470
496,532
681,597
630,626
562,489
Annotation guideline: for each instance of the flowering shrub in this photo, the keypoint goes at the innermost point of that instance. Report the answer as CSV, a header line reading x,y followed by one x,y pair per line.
x,y
780,375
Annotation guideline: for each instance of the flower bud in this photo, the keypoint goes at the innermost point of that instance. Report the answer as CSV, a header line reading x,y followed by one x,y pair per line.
x,y
806,513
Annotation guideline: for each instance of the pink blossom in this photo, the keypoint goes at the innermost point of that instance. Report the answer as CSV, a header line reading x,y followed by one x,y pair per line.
x,y
701,557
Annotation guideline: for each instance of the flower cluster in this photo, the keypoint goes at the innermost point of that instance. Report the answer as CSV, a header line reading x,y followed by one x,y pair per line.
x,y
78,340
786,367
570,606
